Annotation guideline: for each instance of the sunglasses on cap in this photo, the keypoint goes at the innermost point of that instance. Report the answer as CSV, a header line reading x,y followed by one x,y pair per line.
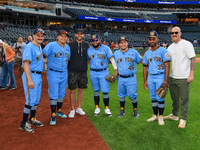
x,y
94,40
174,33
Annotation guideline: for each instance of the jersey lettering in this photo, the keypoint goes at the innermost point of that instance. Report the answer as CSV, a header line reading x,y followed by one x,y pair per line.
x,y
158,59
39,57
128,59
149,60
161,67
119,60
66,55
58,54
92,56
101,56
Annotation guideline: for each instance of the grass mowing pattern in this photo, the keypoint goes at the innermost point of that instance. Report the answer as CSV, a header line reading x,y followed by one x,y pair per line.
x,y
129,133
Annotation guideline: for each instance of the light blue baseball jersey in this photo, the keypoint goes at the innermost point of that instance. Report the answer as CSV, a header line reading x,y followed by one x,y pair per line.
x,y
156,59
126,62
57,56
99,57
33,54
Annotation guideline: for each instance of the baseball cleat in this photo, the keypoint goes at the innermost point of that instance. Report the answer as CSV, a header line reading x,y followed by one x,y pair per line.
x,y
53,119
171,117
153,118
182,123
71,114
136,114
2,88
80,111
160,120
121,114
35,122
96,111
60,114
26,127
108,113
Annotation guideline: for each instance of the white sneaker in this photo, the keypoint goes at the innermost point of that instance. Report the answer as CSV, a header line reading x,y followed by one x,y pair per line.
x,y
96,111
182,123
80,111
108,113
153,118
71,114
171,117
160,120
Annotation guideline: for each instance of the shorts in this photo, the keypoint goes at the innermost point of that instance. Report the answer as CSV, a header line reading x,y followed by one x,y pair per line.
x,y
77,79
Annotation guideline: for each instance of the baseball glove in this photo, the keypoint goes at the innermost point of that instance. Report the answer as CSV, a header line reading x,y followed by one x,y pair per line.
x,y
111,78
162,90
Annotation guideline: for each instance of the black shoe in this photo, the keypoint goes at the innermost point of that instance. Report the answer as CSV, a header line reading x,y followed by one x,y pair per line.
x,y
2,88
12,88
136,114
26,127
35,122
121,114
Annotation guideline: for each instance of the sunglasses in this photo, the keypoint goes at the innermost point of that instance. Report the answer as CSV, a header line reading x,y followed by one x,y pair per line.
x,y
94,40
174,33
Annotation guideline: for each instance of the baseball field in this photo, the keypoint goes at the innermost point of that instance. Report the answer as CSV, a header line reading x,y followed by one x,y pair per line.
x,y
127,133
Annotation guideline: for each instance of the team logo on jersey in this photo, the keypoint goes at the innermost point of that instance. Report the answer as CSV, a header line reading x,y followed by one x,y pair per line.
x,y
157,53
92,56
167,55
131,67
119,60
102,64
131,54
39,57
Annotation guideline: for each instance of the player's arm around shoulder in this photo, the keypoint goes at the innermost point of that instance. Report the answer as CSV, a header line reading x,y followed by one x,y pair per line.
x,y
47,50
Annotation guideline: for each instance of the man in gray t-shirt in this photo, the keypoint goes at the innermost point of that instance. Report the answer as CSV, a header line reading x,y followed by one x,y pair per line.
x,y
18,48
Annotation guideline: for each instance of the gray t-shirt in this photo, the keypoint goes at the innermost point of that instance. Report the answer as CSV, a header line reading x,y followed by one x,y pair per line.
x,y
20,47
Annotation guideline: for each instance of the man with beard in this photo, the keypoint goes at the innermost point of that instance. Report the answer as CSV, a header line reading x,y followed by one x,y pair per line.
x,y
127,59
58,54
32,81
182,74
98,55
156,64
77,71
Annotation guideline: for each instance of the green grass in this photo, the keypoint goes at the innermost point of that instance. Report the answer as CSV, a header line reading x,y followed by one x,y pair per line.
x,y
129,133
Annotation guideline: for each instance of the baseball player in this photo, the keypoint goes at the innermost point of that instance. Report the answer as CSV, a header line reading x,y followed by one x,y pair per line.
x,y
127,59
32,81
58,53
156,63
98,55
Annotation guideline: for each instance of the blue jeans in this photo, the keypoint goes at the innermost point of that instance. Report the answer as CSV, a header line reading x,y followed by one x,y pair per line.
x,y
1,74
8,68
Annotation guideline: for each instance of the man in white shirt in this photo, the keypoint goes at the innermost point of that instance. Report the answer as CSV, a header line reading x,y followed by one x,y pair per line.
x,y
183,61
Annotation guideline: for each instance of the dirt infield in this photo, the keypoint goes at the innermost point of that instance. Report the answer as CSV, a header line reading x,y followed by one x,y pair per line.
x,y
72,134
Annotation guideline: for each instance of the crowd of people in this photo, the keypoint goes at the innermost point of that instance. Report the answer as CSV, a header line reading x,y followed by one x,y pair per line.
x,y
67,64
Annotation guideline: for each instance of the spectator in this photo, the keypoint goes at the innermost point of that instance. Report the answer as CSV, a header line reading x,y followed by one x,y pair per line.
x,y
8,66
195,42
18,49
29,39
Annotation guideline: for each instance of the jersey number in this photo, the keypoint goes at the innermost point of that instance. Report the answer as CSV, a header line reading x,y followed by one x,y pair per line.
x,y
160,67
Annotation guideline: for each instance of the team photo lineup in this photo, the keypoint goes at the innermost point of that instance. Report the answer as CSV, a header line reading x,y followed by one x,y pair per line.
x,y
84,58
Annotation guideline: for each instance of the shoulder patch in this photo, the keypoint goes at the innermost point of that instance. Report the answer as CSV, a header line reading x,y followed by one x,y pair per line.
x,y
167,55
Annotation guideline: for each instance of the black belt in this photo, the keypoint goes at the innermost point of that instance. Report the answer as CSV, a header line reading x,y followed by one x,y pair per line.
x,y
55,70
126,76
157,74
98,69
38,72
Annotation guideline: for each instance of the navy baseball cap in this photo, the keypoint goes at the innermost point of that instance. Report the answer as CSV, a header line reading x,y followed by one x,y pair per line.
x,y
79,30
153,34
39,30
95,36
63,32
122,38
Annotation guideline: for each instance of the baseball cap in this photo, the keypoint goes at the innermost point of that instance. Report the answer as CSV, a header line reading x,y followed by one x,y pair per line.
x,y
95,36
39,30
1,41
63,32
122,38
153,34
79,30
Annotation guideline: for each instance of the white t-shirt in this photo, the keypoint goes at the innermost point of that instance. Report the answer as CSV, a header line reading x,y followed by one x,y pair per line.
x,y
181,53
